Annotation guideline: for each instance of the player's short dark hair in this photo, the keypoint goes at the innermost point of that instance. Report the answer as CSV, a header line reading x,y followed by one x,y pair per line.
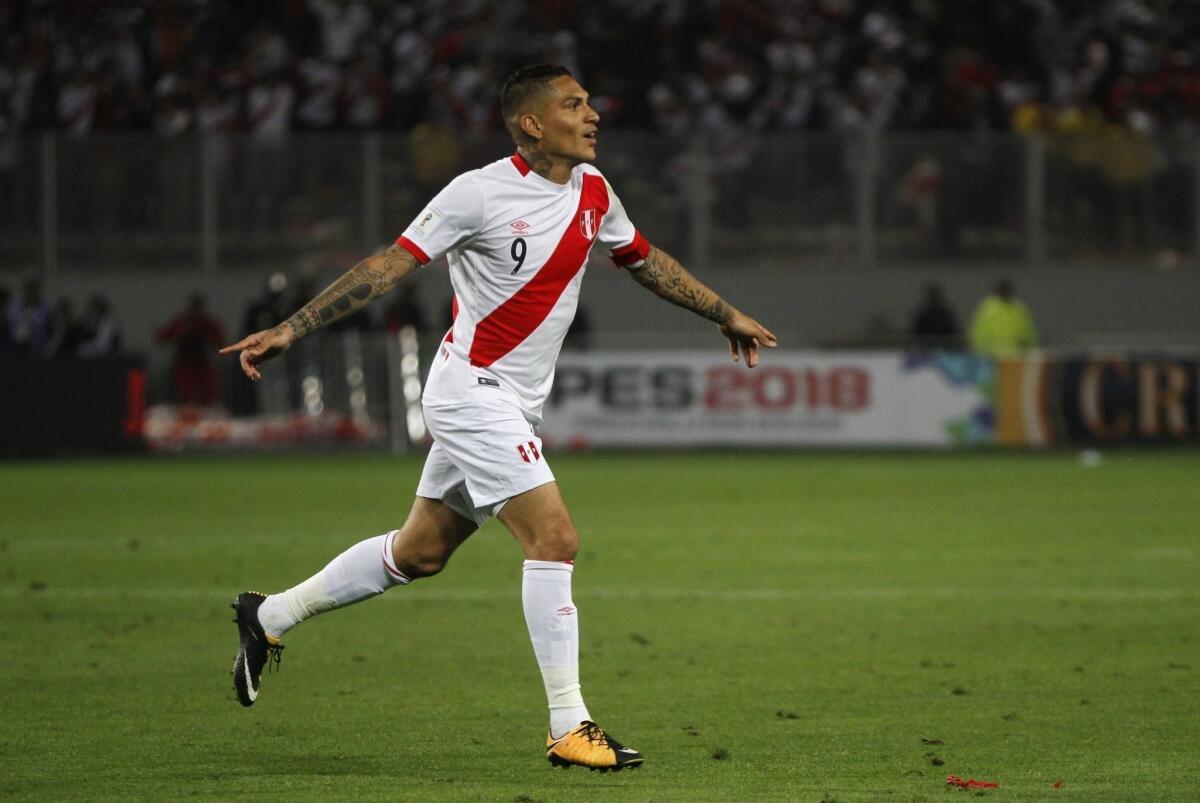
x,y
527,81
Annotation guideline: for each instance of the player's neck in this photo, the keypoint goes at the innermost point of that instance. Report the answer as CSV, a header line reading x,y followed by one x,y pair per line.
x,y
552,168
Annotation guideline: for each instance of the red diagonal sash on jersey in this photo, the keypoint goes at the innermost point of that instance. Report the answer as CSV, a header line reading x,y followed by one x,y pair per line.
x,y
507,326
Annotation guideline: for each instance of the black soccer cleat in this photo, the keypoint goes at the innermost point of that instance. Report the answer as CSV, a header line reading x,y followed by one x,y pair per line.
x,y
256,649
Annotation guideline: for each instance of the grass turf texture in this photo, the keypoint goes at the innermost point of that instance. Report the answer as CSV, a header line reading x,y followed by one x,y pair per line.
x,y
782,627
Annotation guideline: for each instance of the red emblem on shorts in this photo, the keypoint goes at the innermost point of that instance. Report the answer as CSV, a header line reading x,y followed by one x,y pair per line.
x,y
587,223
530,455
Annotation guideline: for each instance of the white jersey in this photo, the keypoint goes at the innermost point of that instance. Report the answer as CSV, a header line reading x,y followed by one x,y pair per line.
x,y
517,245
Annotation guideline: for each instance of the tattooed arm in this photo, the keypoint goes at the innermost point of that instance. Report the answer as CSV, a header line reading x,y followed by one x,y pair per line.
x,y
665,277
356,288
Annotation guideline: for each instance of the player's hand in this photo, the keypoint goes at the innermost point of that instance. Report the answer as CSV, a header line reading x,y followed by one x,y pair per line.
x,y
747,334
261,346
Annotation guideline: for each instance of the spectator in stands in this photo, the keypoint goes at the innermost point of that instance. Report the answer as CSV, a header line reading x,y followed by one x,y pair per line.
x,y
101,332
66,331
196,336
934,324
28,321
1003,326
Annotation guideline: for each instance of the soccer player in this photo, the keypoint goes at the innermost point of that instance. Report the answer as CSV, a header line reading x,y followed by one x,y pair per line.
x,y
517,234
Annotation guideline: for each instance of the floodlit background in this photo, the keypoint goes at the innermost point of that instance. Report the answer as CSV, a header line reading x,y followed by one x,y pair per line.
x,y
943,529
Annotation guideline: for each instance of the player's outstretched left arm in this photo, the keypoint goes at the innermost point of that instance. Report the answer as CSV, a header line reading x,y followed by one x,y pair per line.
x,y
665,277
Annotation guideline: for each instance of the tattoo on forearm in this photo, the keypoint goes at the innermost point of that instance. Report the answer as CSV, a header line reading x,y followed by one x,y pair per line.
x,y
356,288
665,277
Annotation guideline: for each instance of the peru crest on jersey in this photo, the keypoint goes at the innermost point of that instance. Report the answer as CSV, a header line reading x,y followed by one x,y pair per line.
x,y
587,224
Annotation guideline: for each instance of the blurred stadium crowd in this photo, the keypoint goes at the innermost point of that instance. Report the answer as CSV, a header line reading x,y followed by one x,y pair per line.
x,y
175,66
30,326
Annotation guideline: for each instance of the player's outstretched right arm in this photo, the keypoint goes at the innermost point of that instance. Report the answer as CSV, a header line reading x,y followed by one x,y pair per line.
x,y
356,288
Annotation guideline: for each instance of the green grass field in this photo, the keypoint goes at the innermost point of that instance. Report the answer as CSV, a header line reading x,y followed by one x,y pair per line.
x,y
763,627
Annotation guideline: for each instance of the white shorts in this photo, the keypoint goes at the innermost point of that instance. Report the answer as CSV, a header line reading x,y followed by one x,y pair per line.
x,y
484,453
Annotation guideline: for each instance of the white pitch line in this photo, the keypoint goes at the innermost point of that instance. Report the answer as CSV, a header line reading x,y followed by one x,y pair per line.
x,y
668,594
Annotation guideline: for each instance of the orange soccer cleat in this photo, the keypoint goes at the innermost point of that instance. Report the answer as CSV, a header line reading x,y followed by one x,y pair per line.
x,y
588,746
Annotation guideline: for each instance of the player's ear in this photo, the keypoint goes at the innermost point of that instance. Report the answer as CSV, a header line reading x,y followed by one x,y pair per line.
x,y
530,125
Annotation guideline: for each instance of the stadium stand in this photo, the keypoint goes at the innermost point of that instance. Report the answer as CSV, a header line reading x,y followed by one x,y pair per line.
x,y
821,65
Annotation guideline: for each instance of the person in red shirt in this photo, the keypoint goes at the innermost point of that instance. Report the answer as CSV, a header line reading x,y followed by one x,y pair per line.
x,y
195,335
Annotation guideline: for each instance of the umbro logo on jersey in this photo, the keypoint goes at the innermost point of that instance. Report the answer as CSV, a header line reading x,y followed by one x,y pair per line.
x,y
587,224
519,227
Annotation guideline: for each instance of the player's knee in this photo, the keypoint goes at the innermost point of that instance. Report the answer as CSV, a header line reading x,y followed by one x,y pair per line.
x,y
415,564
416,557
557,540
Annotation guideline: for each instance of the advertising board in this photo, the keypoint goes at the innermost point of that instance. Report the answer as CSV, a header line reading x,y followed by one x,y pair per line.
x,y
669,398
1098,399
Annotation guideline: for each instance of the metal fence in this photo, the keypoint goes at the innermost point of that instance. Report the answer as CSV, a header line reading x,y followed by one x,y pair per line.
x,y
136,202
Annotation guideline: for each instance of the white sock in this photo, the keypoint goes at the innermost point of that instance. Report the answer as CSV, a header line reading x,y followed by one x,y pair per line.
x,y
362,571
553,625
